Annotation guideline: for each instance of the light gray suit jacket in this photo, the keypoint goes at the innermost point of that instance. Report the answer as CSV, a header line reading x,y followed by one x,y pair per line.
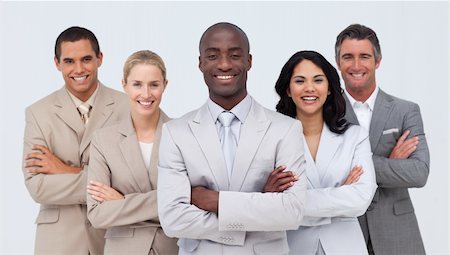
x,y
390,222
249,221
332,208
54,121
132,223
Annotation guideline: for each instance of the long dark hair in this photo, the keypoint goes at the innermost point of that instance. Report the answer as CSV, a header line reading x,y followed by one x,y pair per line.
x,y
334,106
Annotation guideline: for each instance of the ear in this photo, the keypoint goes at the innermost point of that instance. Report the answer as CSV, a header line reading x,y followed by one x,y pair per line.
x,y
57,63
200,63
288,92
338,63
250,58
377,62
100,59
124,83
165,84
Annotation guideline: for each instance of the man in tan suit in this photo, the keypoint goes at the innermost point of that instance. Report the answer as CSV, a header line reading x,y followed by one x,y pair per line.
x,y
56,145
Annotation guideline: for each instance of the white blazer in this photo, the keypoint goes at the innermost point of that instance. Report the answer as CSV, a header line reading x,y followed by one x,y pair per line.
x,y
249,221
332,208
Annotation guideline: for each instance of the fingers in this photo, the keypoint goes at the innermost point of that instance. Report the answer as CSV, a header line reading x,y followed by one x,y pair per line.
x,y
283,184
403,137
40,170
280,180
354,175
34,163
278,170
404,148
35,155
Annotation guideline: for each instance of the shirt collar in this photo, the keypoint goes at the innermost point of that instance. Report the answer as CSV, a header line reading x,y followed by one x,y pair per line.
x,y
370,101
240,110
90,101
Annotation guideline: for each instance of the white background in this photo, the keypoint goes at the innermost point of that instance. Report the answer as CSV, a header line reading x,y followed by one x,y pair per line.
x,y
414,39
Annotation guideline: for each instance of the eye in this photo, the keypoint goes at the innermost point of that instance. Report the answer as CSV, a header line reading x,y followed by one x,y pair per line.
x,y
87,59
318,80
137,84
155,84
211,56
235,56
68,61
299,81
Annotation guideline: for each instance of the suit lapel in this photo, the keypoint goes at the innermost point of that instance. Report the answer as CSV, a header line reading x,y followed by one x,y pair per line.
x,y
205,132
350,115
66,110
251,135
155,151
329,144
129,147
101,110
382,110
312,173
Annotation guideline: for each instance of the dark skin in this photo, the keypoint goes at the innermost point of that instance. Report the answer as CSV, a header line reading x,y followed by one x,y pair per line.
x,y
224,61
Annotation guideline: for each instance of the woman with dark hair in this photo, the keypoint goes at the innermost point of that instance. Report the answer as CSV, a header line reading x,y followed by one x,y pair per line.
x,y
339,166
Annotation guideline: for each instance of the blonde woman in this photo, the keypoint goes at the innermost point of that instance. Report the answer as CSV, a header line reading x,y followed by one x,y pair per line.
x,y
121,191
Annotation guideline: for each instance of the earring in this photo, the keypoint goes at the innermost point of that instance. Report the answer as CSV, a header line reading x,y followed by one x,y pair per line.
x,y
329,93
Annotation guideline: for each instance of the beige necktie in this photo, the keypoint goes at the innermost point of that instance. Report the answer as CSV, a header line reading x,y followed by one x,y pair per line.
x,y
227,139
84,109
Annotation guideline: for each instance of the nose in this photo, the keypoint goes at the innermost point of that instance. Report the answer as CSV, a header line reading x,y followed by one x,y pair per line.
x,y
224,64
146,91
356,63
309,86
78,67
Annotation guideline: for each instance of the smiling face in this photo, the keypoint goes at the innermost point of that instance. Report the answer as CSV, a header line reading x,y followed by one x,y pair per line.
x,y
357,64
308,89
144,85
224,61
79,64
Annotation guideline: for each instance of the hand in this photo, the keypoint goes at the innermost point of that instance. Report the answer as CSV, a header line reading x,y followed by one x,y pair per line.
x,y
280,180
43,161
404,147
101,192
205,199
354,175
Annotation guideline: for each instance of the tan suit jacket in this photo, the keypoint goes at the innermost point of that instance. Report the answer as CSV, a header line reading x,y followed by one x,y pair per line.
x,y
132,223
54,121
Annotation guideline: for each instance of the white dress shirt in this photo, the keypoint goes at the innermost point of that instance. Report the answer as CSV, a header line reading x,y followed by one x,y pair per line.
x,y
363,110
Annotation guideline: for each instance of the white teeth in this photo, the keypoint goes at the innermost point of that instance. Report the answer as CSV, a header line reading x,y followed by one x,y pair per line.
x,y
224,77
357,75
310,98
145,103
80,78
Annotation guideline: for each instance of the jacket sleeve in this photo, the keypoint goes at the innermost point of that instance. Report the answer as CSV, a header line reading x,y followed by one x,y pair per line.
x,y
345,200
270,211
178,217
134,208
55,189
413,171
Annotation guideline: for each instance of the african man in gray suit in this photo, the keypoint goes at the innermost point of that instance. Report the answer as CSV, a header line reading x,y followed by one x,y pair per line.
x,y
400,151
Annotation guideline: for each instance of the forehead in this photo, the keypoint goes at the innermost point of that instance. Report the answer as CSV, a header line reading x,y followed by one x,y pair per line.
x,y
81,47
307,67
223,38
353,46
145,69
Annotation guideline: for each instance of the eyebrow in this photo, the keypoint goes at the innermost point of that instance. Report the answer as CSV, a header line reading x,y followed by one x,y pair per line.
x,y
315,76
230,49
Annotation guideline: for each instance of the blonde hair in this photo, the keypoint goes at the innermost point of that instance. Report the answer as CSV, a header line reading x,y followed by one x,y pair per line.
x,y
143,57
